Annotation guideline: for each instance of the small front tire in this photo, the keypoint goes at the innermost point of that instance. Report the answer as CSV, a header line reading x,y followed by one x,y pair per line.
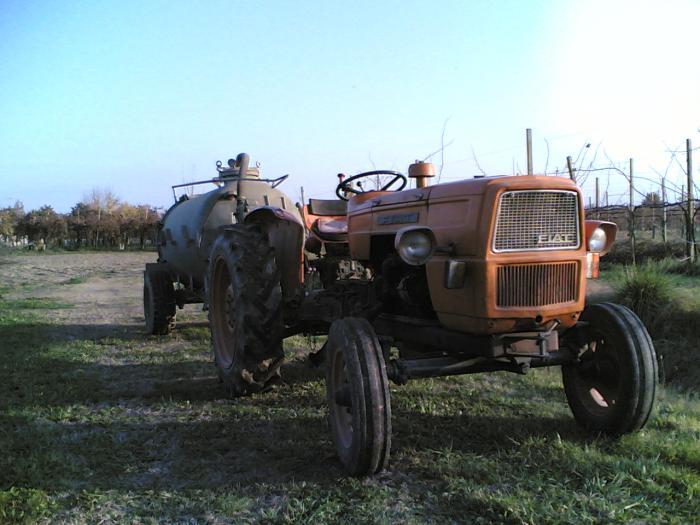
x,y
612,388
158,302
358,397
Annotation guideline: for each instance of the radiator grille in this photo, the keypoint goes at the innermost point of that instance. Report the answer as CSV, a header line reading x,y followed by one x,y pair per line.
x,y
537,284
537,220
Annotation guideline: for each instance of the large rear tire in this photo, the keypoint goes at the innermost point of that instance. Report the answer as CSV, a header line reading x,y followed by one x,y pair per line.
x,y
359,403
158,302
245,310
612,388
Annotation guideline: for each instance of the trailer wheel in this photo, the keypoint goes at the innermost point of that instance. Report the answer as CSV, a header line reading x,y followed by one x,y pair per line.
x,y
359,404
158,302
245,310
611,389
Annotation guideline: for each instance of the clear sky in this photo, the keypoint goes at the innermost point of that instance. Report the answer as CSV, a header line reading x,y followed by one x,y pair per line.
x,y
138,95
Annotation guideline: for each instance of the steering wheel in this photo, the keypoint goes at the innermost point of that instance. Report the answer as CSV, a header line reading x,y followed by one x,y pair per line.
x,y
345,186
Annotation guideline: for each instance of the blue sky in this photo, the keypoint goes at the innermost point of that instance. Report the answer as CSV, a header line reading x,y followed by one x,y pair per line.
x,y
136,96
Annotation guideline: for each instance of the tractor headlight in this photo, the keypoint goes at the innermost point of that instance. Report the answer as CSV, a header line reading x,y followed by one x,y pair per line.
x,y
415,246
597,240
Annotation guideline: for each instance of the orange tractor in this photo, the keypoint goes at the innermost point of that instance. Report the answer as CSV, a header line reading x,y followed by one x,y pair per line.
x,y
479,275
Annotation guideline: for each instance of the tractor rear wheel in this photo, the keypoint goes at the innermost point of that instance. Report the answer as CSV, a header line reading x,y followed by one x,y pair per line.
x,y
245,310
359,404
158,302
612,387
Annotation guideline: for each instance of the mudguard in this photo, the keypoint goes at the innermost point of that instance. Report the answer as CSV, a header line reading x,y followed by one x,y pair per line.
x,y
285,234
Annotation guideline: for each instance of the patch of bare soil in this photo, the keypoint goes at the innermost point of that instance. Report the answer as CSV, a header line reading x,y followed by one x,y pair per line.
x,y
105,289
103,298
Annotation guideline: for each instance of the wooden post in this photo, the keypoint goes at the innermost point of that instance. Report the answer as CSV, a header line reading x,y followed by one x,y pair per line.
x,y
633,240
684,223
528,138
690,229
571,168
663,210
597,199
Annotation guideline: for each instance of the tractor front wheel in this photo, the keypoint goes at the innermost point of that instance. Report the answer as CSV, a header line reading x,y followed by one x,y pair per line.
x,y
612,386
358,397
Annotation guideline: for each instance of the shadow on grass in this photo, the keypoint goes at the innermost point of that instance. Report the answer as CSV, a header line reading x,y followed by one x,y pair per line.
x,y
164,455
104,406
162,452
54,365
479,433
107,407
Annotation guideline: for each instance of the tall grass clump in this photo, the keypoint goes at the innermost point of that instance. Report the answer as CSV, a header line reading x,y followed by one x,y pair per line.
x,y
647,290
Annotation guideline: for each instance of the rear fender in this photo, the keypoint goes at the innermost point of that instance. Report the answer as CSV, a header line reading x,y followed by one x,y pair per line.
x,y
285,234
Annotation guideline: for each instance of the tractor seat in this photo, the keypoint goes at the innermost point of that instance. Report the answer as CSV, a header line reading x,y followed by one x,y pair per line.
x,y
327,219
331,229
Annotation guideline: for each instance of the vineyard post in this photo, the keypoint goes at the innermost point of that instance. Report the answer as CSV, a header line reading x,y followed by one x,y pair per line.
x,y
606,206
684,221
690,214
663,209
571,168
631,216
597,199
528,140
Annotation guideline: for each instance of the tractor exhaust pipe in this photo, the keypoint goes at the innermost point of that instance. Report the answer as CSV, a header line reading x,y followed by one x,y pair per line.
x,y
242,160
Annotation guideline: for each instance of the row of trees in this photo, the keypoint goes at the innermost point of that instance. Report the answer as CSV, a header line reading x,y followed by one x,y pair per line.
x,y
100,220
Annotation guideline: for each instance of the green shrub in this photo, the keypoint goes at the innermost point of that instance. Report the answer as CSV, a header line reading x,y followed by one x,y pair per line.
x,y
647,290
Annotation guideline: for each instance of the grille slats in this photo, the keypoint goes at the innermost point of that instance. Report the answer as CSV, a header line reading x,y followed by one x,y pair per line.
x,y
524,285
537,220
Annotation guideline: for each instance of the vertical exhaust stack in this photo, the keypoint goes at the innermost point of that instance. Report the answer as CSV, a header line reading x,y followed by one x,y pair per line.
x,y
421,171
242,161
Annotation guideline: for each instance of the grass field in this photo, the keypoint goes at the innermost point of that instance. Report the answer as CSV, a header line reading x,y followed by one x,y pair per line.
x,y
100,423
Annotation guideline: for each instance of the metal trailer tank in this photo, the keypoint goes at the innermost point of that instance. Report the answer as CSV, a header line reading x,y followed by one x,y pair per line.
x,y
190,227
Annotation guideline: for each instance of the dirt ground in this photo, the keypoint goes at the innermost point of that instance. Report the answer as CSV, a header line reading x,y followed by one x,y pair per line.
x,y
104,289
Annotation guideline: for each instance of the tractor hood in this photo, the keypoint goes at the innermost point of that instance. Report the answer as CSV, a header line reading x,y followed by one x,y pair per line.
x,y
542,239
461,213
